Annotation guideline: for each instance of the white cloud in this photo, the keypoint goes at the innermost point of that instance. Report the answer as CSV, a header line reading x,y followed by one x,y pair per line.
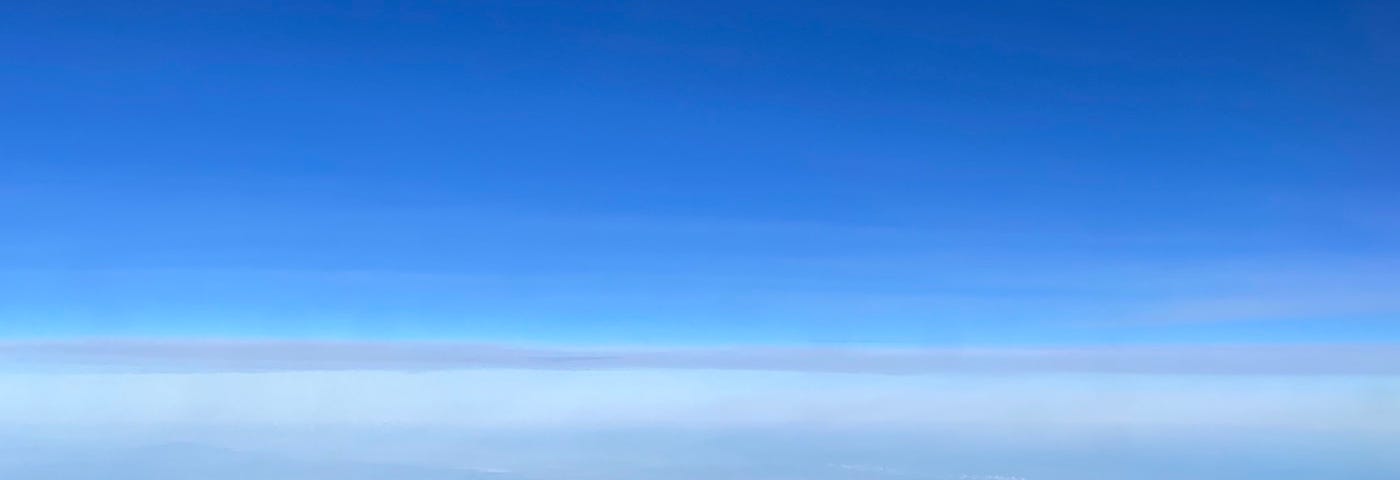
x,y
516,398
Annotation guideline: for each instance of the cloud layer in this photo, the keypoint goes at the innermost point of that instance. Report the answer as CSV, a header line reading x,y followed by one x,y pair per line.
x,y
253,356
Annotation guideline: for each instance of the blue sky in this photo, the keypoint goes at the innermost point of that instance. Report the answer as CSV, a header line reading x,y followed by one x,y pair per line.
x,y
776,173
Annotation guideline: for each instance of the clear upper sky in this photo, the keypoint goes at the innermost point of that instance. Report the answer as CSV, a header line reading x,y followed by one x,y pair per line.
x,y
1023,172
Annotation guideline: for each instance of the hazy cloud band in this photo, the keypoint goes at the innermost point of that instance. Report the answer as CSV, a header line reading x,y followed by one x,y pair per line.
x,y
240,356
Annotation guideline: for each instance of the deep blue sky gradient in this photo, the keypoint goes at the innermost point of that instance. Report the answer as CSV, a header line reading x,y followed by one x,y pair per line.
x,y
1024,172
